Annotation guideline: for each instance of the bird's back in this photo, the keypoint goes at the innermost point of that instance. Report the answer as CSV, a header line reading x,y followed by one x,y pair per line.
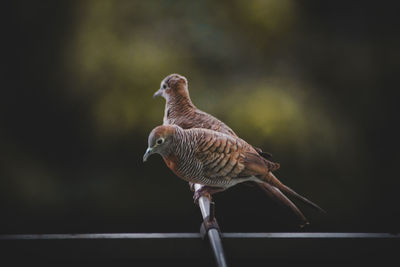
x,y
192,117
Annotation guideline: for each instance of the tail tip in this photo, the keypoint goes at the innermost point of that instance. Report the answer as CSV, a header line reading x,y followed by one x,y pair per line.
x,y
304,224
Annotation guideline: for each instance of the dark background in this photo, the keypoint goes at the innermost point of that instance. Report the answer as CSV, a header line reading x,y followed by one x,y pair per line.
x,y
313,82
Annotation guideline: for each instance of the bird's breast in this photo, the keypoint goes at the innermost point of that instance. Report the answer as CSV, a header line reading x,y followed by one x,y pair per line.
x,y
182,168
172,162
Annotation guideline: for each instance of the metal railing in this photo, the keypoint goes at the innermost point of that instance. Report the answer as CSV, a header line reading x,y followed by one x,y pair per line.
x,y
210,228
187,249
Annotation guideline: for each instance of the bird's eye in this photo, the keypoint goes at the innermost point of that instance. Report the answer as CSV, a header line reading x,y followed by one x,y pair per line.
x,y
164,86
160,141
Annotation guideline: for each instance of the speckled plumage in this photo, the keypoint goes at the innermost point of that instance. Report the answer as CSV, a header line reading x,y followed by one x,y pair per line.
x,y
180,110
218,161
211,158
221,170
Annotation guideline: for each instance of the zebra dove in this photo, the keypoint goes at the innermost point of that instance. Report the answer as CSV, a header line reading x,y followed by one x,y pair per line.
x,y
217,161
179,110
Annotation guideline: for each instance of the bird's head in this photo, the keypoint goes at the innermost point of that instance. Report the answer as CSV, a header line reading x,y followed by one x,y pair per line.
x,y
173,85
160,139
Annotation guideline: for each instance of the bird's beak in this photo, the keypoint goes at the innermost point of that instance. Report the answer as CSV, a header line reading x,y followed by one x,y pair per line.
x,y
158,93
147,154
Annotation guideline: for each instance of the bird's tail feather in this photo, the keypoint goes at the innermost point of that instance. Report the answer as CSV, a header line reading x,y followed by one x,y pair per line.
x,y
278,196
285,189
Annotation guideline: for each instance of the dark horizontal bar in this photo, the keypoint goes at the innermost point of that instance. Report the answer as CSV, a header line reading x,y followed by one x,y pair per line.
x,y
187,249
102,236
310,235
197,235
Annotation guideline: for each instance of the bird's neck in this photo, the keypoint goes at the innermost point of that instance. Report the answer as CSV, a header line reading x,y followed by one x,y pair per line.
x,y
179,103
182,145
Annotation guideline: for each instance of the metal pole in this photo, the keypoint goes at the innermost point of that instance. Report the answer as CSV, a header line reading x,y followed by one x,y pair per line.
x,y
213,234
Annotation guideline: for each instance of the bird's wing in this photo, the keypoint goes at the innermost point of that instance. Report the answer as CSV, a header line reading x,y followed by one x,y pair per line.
x,y
202,119
255,165
263,154
220,155
226,157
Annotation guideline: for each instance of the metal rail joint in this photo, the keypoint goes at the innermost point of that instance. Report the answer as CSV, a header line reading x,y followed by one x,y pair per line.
x,y
209,222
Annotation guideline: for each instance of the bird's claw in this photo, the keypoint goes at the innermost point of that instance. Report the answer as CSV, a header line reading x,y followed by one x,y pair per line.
x,y
191,185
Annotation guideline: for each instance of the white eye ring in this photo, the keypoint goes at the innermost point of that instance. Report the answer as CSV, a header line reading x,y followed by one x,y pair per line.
x,y
164,86
160,141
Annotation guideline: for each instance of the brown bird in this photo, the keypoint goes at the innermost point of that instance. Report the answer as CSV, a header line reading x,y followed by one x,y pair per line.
x,y
179,110
217,161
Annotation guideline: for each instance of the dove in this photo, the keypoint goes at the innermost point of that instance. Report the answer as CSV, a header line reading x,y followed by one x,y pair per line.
x,y
217,161
179,110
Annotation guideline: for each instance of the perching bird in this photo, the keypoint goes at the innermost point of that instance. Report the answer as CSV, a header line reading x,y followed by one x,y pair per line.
x,y
217,161
179,110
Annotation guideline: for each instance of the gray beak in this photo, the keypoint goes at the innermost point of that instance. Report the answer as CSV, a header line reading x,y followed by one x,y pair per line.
x,y
158,93
147,154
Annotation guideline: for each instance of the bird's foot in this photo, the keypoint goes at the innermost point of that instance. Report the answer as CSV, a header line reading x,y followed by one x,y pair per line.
x,y
200,193
191,185
206,191
304,225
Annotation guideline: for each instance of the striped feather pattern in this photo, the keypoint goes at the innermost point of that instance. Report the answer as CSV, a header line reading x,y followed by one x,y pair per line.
x,y
212,158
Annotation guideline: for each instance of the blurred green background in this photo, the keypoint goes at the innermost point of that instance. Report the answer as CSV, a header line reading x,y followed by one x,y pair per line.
x,y
313,82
